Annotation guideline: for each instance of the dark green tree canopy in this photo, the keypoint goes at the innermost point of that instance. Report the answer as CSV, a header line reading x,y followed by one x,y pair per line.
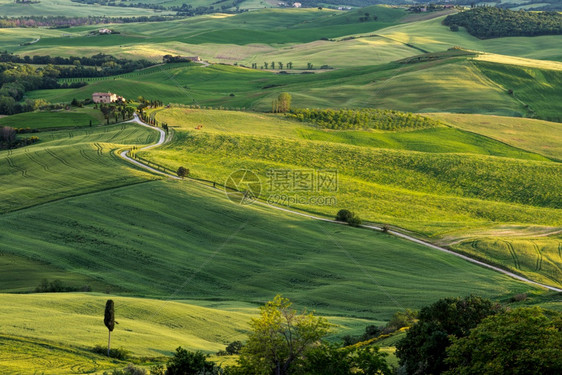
x,y
521,341
422,351
109,317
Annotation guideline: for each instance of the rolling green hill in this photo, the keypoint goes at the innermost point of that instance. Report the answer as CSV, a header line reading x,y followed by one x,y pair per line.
x,y
54,119
455,84
67,8
523,133
69,162
420,180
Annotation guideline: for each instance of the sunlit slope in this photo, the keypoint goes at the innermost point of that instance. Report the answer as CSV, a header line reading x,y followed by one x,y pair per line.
x,y
436,182
432,36
524,133
146,326
69,162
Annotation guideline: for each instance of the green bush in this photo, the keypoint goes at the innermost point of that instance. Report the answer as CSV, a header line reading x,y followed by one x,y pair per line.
x,y
118,353
185,362
348,217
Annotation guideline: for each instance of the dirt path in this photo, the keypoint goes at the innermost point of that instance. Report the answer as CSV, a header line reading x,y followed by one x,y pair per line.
x,y
372,227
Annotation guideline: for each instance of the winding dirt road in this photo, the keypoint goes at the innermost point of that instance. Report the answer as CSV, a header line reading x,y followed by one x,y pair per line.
x,y
162,139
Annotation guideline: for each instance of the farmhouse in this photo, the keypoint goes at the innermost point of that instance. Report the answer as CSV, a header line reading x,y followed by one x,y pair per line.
x,y
106,97
104,31
297,5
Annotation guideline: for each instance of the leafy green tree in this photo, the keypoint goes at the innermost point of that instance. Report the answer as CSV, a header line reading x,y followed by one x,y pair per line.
x,y
185,362
330,359
182,172
284,102
234,347
109,321
348,217
422,351
281,338
521,341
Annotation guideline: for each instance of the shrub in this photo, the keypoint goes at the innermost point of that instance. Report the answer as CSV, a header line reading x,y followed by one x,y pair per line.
x,y
129,370
234,347
348,217
519,297
190,363
118,353
344,215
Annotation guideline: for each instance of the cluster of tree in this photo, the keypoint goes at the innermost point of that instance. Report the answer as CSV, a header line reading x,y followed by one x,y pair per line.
x,y
530,5
16,80
349,3
452,336
9,140
57,286
282,104
473,335
345,119
273,65
399,320
368,17
99,60
59,22
491,22
116,111
170,59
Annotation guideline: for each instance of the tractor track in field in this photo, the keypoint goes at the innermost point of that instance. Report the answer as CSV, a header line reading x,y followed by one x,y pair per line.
x,y
64,162
33,159
538,266
162,140
513,254
12,165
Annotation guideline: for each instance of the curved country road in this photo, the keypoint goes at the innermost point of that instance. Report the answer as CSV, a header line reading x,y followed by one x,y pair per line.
x,y
162,139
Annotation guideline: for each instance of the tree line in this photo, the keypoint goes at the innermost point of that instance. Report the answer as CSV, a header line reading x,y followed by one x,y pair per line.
x,y
453,336
57,22
184,10
99,60
491,22
367,118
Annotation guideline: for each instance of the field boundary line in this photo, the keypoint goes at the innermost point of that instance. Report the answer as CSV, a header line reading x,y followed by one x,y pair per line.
x,y
124,155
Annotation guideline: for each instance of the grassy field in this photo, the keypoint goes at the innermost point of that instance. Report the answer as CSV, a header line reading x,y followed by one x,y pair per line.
x,y
536,88
451,84
438,182
215,249
69,162
523,133
432,36
77,117
68,8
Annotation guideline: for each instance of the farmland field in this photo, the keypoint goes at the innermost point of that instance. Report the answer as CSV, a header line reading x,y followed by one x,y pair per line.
x,y
54,119
426,132
69,162
451,84
385,177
